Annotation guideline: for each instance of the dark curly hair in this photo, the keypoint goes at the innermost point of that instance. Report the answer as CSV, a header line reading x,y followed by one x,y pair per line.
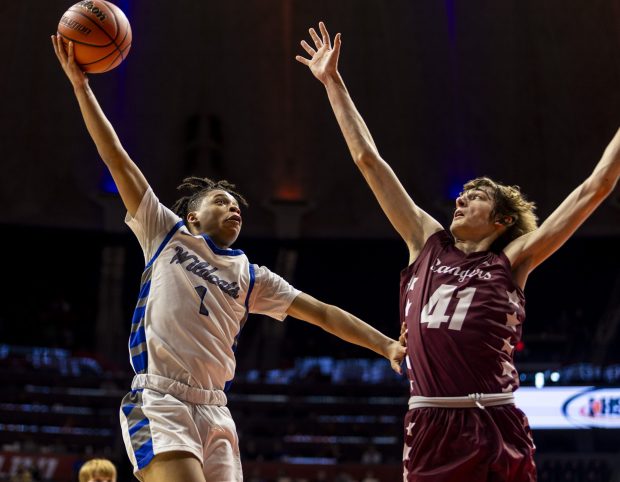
x,y
199,187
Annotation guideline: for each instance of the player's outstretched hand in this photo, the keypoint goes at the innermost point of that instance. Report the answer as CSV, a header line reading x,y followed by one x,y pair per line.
x,y
396,354
323,61
67,62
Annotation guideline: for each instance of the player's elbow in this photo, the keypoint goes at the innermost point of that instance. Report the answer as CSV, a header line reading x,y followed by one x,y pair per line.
x,y
113,156
366,160
600,184
324,315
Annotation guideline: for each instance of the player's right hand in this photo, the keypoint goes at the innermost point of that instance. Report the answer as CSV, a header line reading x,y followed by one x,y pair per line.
x,y
323,61
67,61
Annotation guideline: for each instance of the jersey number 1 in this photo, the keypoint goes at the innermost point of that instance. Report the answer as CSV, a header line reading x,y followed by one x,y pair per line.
x,y
202,291
434,313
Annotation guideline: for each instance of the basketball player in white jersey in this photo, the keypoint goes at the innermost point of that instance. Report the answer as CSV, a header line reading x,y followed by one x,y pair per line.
x,y
195,295
462,300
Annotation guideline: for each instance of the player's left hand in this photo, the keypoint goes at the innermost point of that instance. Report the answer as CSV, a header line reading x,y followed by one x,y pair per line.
x,y
396,354
403,334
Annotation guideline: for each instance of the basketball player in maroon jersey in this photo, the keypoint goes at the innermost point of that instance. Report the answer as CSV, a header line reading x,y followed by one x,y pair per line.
x,y
462,303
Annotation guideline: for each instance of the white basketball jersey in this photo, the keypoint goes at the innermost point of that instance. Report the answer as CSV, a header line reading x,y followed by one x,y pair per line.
x,y
194,299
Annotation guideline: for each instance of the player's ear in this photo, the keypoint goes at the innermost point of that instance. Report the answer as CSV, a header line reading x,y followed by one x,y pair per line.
x,y
192,218
505,220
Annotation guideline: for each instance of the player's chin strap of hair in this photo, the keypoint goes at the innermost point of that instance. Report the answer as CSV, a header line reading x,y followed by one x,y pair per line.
x,y
473,400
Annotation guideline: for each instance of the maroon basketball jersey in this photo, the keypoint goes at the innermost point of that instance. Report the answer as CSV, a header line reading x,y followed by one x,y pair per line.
x,y
464,315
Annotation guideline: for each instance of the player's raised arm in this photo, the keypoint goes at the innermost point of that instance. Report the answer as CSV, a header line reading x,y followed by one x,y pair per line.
x,y
130,181
344,325
528,251
412,223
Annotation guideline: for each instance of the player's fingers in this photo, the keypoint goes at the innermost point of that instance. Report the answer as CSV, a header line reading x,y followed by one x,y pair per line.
x,y
61,48
337,43
325,35
315,38
62,53
55,46
307,48
302,60
396,367
71,53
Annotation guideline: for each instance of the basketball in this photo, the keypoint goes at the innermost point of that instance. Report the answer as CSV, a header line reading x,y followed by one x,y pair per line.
x,y
100,33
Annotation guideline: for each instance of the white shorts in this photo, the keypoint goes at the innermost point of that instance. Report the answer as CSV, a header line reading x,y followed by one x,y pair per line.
x,y
162,415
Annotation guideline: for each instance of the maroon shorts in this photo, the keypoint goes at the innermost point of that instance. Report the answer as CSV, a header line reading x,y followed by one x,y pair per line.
x,y
468,445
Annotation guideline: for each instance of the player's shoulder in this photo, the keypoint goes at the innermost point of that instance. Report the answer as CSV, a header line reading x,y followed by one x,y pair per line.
x,y
517,249
437,240
519,258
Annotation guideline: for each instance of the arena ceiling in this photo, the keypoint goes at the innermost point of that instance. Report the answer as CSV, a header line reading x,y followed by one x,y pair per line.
x,y
524,91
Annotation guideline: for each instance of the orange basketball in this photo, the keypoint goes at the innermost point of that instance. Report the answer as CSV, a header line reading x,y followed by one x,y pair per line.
x,y
100,33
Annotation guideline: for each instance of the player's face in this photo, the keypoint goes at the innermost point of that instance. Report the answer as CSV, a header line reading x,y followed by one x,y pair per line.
x,y
219,217
472,216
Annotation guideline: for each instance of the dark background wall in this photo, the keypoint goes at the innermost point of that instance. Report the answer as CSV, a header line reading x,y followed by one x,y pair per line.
x,y
523,91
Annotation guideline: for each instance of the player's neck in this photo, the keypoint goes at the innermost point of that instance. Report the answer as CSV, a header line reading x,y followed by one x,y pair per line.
x,y
474,245
468,247
222,242
473,242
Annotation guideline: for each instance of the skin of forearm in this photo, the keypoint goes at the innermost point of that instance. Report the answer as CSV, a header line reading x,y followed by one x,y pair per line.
x,y
97,124
608,168
353,127
350,328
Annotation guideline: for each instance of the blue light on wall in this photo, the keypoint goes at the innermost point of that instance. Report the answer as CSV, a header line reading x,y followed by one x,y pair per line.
x,y
107,184
451,14
455,185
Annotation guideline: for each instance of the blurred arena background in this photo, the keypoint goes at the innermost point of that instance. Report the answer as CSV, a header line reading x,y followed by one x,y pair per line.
x,y
524,91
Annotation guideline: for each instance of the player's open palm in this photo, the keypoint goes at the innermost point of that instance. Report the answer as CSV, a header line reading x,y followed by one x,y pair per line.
x,y
67,61
324,58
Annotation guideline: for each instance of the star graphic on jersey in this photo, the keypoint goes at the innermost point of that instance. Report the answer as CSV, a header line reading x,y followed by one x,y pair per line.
x,y
507,346
408,361
411,283
410,428
513,298
406,452
507,369
512,321
407,307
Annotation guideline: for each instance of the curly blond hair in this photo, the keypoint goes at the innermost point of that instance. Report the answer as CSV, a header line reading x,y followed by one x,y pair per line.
x,y
97,467
508,201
